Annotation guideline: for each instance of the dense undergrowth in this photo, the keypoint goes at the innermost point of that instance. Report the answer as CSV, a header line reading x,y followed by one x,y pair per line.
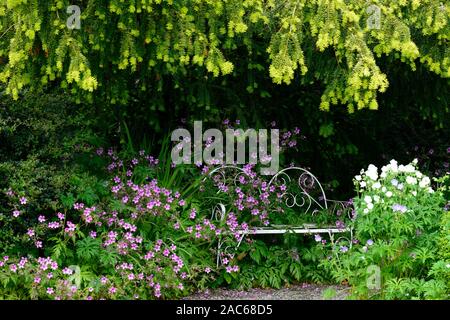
x,y
81,221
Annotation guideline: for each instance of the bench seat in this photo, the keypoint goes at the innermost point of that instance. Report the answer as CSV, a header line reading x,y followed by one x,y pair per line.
x,y
292,229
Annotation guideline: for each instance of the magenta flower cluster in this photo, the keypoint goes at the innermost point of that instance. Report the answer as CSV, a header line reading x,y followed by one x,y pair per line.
x,y
141,268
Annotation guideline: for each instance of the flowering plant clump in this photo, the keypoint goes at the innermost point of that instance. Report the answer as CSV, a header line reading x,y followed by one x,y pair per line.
x,y
108,249
248,199
148,276
397,225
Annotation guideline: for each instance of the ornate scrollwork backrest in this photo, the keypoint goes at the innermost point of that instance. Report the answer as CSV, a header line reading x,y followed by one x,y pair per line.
x,y
303,190
309,194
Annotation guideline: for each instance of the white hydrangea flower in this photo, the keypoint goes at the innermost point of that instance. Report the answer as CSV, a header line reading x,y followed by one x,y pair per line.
x,y
430,190
414,193
389,194
424,182
407,169
366,211
411,180
358,178
393,165
367,199
363,184
384,189
376,198
370,206
376,185
372,172
419,174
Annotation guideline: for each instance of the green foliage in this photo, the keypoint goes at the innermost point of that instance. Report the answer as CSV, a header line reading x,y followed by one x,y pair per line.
x,y
275,262
397,253
122,48
329,293
43,138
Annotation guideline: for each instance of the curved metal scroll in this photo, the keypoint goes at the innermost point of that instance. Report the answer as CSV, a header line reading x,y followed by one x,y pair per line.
x,y
340,208
310,194
219,173
218,212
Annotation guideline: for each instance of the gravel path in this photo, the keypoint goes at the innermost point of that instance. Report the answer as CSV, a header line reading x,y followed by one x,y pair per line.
x,y
297,292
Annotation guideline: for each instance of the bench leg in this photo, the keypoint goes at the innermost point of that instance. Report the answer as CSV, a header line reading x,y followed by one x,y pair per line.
x,y
219,248
220,251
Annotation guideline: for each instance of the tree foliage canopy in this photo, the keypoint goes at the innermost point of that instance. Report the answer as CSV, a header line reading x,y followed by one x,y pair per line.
x,y
128,46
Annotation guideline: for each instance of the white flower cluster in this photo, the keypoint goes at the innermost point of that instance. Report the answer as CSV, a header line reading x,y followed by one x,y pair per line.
x,y
394,180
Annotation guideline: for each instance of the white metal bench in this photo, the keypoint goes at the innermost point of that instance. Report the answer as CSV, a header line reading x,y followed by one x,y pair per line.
x,y
308,196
